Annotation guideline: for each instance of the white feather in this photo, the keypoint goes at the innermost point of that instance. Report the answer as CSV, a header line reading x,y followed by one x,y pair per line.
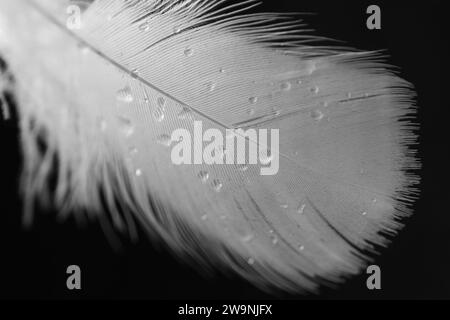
x,y
103,98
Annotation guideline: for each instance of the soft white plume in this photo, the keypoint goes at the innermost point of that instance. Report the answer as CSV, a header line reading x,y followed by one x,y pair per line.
x,y
105,99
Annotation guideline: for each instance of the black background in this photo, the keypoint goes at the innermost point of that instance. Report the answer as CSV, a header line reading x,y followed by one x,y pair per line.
x,y
416,266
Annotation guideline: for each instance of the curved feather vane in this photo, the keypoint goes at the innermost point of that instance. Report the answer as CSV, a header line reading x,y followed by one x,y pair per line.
x,y
107,97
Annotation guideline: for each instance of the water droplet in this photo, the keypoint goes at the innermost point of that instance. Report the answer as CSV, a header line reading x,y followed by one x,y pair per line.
x,y
251,111
317,115
125,95
176,29
315,90
186,114
299,81
374,200
284,206
126,127
312,67
301,209
135,73
349,95
286,86
251,261
253,100
165,140
138,173
161,102
248,238
364,213
274,240
158,114
204,176
301,248
83,48
265,157
222,70
133,151
276,111
204,217
144,26
217,185
188,52
210,86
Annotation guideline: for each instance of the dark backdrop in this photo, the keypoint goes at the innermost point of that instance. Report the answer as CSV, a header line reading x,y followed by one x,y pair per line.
x,y
416,265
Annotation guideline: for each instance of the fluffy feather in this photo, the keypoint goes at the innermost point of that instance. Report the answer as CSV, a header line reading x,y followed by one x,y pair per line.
x,y
106,97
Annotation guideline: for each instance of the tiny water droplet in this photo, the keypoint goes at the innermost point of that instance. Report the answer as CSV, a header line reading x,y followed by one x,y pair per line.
x,y
364,213
299,81
301,248
133,151
217,185
83,48
138,172
144,26
188,52
251,261
248,238
126,127
204,217
274,240
161,102
158,115
210,86
349,95
125,95
253,100
315,90
176,29
284,206
276,111
165,140
251,111
204,176
312,68
222,70
135,73
286,86
317,115
301,209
